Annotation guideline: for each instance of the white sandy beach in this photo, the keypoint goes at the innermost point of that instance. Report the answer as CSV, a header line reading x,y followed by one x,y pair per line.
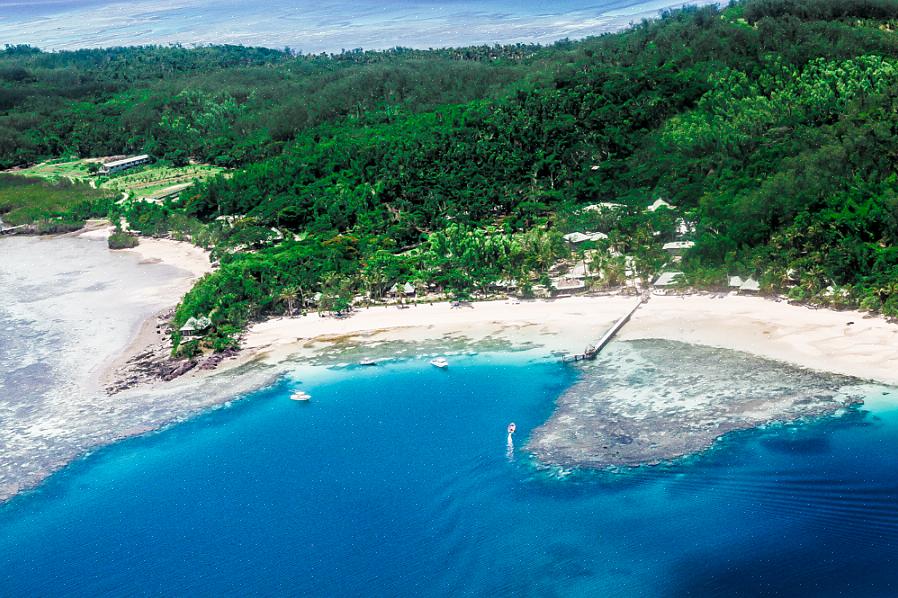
x,y
98,303
817,339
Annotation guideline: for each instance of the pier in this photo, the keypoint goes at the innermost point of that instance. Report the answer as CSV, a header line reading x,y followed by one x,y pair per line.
x,y
592,351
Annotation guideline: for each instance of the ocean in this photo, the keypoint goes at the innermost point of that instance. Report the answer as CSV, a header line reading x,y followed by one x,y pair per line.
x,y
397,480
312,27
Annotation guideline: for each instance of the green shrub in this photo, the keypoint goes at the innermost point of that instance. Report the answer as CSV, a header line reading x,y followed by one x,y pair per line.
x,y
122,240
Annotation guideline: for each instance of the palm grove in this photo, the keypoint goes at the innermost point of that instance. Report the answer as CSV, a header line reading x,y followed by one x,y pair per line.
x,y
770,125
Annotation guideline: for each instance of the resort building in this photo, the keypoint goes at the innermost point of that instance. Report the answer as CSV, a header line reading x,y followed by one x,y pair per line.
x,y
734,282
196,327
750,286
678,247
577,237
568,284
124,164
407,289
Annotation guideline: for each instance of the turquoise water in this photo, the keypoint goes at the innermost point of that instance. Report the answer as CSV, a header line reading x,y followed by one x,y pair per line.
x,y
396,481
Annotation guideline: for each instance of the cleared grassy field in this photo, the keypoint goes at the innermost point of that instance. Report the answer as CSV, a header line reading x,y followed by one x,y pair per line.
x,y
59,169
25,200
155,182
149,182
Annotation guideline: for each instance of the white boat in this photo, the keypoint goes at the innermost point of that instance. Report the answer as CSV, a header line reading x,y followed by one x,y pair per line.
x,y
368,361
300,396
439,362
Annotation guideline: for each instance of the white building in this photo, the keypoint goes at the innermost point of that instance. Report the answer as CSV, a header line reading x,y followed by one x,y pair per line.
x,y
678,247
750,286
659,203
576,238
125,164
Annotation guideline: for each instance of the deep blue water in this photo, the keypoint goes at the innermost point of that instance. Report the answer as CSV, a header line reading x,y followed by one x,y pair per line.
x,y
395,481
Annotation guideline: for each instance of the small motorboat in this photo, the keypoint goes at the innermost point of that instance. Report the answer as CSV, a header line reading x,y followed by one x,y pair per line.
x,y
439,362
368,361
511,428
300,395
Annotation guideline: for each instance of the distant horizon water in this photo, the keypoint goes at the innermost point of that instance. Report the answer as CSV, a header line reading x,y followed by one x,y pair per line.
x,y
314,27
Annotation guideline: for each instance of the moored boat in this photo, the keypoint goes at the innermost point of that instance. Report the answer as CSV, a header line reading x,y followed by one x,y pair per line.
x,y
439,362
300,395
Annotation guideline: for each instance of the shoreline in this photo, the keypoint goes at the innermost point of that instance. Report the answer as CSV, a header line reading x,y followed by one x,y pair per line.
x,y
147,339
849,343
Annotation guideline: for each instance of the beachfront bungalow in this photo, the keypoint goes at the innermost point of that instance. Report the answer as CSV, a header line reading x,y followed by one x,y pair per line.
x,y
407,289
124,164
566,284
734,282
750,286
668,279
576,238
195,327
505,284
658,204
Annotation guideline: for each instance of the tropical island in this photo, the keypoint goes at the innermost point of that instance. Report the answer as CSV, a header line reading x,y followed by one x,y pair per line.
x,y
745,149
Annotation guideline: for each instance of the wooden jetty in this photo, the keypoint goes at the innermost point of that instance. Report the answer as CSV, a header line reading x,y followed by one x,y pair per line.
x,y
592,351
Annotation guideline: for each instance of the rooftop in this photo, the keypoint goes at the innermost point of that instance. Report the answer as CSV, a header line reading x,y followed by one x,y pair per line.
x,y
667,279
126,160
659,203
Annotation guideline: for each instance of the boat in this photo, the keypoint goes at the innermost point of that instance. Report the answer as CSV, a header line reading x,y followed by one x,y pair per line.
x,y
439,362
368,361
300,395
512,428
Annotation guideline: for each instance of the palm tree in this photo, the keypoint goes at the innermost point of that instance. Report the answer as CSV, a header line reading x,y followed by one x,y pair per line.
x,y
288,295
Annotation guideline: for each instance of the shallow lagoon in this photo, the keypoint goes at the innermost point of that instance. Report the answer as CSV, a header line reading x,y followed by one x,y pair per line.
x,y
395,480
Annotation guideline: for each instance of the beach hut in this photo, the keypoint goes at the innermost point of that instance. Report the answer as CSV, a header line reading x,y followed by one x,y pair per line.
x,y
409,289
750,286
313,300
196,326
568,284
393,290
505,284
734,282
668,279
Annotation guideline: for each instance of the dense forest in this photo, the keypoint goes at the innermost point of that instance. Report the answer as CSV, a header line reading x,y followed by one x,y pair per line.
x,y
769,125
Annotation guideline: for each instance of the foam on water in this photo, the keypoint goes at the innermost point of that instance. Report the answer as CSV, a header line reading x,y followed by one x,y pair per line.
x,y
329,25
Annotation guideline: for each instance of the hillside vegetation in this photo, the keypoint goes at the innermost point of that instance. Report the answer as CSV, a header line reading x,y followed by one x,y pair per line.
x,y
769,125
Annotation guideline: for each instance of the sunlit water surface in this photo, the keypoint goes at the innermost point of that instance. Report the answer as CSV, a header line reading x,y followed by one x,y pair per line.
x,y
397,480
322,25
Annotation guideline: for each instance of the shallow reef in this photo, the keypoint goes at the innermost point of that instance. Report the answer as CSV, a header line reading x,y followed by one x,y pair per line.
x,y
650,401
